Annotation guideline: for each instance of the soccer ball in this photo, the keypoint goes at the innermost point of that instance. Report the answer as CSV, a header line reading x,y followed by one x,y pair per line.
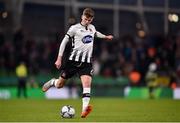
x,y
67,111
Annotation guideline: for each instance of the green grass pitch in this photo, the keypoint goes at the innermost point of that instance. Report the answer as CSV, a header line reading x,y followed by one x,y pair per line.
x,y
104,110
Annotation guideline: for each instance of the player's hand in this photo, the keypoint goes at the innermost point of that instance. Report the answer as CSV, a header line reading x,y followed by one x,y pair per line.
x,y
58,62
109,37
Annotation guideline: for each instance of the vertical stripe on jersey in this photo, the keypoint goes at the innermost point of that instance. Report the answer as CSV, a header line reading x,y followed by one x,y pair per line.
x,y
84,56
73,42
77,55
74,55
80,56
89,57
71,56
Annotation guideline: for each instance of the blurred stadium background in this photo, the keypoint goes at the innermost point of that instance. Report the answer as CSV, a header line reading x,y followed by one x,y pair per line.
x,y
146,32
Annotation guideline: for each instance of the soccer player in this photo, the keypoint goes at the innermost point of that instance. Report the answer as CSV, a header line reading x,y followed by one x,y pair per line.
x,y
79,61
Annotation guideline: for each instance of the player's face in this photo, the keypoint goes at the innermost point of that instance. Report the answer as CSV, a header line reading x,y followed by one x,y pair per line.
x,y
86,20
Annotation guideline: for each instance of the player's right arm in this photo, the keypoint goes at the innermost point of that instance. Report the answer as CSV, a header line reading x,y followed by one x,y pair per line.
x,y
58,62
65,40
61,51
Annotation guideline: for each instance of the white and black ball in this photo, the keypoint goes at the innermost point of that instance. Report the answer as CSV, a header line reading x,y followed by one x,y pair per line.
x,y
67,111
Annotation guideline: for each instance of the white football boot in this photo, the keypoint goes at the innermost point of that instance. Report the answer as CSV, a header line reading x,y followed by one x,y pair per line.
x,y
48,84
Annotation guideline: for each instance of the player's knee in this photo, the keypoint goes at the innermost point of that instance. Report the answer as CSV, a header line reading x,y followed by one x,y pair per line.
x,y
60,84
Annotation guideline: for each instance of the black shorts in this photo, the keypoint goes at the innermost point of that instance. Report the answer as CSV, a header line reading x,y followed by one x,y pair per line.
x,y
72,68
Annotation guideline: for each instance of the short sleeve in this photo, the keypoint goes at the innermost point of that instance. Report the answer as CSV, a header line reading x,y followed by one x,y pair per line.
x,y
71,31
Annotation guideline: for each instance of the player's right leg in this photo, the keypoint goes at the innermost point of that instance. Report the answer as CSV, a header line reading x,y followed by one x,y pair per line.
x,y
86,107
58,83
87,110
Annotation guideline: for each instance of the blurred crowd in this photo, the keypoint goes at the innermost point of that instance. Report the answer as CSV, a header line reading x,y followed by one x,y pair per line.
x,y
135,55
118,58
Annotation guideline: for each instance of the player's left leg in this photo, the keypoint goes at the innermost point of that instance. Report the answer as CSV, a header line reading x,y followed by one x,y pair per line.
x,y
86,83
67,72
58,83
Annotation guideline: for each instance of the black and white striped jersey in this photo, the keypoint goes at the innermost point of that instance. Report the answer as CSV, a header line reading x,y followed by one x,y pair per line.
x,y
83,39
82,42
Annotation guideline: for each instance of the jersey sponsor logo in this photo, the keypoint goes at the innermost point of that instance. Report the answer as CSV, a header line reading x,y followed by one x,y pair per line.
x,y
87,39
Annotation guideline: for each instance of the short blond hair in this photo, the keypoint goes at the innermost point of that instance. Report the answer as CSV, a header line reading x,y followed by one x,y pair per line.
x,y
88,12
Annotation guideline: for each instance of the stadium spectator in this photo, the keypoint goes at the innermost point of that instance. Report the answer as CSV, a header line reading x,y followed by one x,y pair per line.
x,y
21,72
151,79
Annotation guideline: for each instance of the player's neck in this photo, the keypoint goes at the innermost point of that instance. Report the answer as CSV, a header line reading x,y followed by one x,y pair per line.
x,y
86,26
83,24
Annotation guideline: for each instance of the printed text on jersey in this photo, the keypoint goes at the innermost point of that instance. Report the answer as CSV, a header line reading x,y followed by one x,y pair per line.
x,y
87,39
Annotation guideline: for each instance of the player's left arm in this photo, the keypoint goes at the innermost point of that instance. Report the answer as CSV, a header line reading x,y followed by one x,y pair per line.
x,y
100,35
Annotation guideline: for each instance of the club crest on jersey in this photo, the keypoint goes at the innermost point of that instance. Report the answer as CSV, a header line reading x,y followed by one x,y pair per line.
x,y
81,30
87,39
